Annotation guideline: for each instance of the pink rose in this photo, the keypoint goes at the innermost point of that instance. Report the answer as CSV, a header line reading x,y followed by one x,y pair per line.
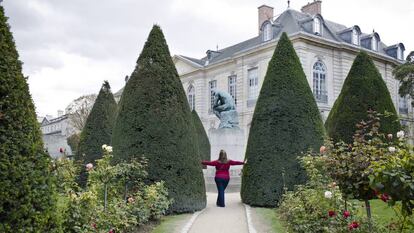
x,y
89,166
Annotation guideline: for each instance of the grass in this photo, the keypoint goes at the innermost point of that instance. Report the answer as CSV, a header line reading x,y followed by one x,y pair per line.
x,y
271,216
169,223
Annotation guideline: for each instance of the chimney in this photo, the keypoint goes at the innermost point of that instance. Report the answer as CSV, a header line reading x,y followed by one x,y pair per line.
x,y
265,13
313,8
60,113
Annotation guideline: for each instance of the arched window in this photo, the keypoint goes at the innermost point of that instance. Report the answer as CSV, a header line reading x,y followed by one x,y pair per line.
x,y
319,82
191,97
317,26
355,37
267,32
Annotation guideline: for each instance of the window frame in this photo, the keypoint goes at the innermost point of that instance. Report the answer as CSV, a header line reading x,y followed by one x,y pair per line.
x,y
211,87
232,87
317,26
253,90
191,97
319,82
267,32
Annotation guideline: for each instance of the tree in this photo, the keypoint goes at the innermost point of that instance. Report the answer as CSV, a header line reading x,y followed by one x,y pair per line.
x,y
202,138
98,128
363,90
286,122
155,121
79,110
26,190
405,74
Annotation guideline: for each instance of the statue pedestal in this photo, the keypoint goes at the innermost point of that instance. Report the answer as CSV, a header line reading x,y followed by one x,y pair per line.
x,y
232,141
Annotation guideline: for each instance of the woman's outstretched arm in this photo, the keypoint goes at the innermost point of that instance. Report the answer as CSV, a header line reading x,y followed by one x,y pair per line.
x,y
232,162
210,163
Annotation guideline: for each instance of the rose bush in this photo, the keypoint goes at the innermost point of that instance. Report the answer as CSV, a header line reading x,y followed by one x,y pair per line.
x,y
116,198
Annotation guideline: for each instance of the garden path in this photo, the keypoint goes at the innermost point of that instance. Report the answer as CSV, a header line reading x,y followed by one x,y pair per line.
x,y
231,219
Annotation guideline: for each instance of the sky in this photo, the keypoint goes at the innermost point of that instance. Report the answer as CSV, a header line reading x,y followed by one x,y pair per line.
x,y
69,47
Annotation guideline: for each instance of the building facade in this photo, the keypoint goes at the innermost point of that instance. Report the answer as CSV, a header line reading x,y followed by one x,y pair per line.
x,y
55,133
326,51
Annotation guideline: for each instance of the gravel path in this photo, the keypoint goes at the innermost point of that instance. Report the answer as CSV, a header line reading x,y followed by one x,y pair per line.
x,y
231,219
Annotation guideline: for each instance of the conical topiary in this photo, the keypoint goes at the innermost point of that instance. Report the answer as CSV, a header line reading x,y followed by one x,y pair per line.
x,y
202,138
363,90
286,122
98,129
155,121
26,190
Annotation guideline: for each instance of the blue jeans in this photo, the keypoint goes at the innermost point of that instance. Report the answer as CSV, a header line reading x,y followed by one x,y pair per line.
x,y
221,186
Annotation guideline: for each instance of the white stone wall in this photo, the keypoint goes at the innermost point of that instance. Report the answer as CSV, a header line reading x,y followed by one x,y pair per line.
x,y
337,61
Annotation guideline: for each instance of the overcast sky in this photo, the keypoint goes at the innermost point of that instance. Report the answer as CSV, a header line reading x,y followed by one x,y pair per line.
x,y
70,46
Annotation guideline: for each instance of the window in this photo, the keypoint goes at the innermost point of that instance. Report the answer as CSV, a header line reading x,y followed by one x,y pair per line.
x,y
253,78
374,43
212,86
400,55
191,97
267,32
233,87
403,105
355,37
317,26
319,82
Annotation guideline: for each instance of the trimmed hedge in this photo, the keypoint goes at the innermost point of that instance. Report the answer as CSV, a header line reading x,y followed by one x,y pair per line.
x,y
363,89
155,121
27,195
286,123
97,130
204,148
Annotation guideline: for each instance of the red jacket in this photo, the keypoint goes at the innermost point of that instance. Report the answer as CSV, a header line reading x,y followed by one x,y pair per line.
x,y
222,169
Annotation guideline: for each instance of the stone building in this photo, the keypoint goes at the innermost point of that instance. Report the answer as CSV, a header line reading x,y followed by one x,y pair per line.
x,y
55,132
326,50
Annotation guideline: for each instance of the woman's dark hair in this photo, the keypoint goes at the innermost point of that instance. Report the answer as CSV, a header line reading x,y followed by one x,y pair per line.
x,y
223,157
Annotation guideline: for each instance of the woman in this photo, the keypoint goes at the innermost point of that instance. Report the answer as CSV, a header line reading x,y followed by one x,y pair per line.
x,y
222,177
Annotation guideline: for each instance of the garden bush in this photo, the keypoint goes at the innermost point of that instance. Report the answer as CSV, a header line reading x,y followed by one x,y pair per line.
x,y
155,121
204,148
111,201
286,122
27,195
363,90
97,130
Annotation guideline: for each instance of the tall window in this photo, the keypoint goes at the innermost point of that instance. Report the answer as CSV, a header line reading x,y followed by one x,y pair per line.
x,y
253,78
191,97
374,43
267,34
319,82
355,37
212,86
403,104
317,26
232,87
399,53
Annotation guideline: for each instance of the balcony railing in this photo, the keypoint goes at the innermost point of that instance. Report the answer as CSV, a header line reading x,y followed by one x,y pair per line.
x,y
403,110
321,97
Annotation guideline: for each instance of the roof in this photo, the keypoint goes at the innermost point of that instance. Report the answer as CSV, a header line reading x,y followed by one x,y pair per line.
x,y
47,121
291,22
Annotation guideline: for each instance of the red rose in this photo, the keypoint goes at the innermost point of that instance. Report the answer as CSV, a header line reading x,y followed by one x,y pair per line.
x,y
94,225
346,214
384,197
111,231
355,225
331,213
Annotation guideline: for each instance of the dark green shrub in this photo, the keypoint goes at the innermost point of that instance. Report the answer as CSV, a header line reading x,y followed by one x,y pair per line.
x,y
363,90
97,130
155,121
202,138
26,190
286,122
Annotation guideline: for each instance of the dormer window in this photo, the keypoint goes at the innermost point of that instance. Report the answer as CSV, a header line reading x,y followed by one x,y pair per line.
x,y
374,43
355,37
399,53
267,32
317,26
